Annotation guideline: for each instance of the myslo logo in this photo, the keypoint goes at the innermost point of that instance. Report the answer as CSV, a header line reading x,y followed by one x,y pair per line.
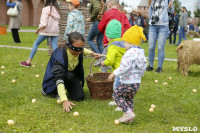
x,y
185,129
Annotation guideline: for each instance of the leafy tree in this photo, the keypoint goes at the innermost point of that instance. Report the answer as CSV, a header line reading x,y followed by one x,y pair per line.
x,y
177,6
123,4
189,13
197,13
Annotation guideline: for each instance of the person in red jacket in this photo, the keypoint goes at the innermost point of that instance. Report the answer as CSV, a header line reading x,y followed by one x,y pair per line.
x,y
112,13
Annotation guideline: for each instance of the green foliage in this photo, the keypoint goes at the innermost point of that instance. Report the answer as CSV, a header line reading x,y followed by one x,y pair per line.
x,y
198,23
176,104
197,13
177,6
189,13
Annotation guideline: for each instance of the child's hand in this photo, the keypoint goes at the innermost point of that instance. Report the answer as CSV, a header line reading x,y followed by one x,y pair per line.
x,y
88,19
111,77
67,105
95,55
102,63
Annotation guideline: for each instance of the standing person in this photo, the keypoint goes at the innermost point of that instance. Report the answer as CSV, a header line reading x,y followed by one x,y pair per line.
x,y
110,14
15,22
96,9
48,27
132,67
174,29
65,71
146,27
140,19
115,52
183,25
158,30
75,19
191,27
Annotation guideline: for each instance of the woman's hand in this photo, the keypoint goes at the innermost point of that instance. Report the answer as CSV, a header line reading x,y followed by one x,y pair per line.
x,y
67,105
102,63
111,77
95,55
37,31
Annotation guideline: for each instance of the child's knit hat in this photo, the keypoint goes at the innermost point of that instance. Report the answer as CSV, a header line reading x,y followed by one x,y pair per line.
x,y
75,2
134,35
114,29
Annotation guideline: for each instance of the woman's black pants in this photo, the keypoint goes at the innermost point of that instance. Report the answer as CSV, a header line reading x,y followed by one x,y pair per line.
x,y
15,35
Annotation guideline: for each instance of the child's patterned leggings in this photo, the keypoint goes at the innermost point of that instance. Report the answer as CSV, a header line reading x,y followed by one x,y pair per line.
x,y
124,94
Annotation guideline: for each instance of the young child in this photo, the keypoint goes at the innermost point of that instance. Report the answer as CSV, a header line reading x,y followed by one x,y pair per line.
x,y
75,19
112,13
115,51
132,68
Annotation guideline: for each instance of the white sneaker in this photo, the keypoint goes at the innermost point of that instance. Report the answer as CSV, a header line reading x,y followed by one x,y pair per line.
x,y
113,103
118,109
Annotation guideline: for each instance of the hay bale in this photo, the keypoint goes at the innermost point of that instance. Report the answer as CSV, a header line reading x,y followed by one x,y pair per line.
x,y
193,34
188,54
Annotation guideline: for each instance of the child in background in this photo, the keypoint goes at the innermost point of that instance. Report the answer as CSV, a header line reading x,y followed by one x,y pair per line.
x,y
75,19
48,28
115,52
132,68
112,13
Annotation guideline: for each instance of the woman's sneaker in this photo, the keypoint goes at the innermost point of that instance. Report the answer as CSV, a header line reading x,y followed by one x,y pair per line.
x,y
118,109
159,70
113,103
149,68
25,64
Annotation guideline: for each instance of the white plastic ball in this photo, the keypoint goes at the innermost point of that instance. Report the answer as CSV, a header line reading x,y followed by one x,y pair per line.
x,y
58,101
153,106
76,113
156,81
194,90
11,122
13,81
117,122
33,100
151,110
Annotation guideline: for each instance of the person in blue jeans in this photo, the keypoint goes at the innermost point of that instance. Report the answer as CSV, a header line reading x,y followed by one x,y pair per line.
x,y
94,32
158,30
48,28
97,9
183,25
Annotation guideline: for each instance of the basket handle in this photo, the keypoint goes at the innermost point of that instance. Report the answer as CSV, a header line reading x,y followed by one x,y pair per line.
x,y
90,72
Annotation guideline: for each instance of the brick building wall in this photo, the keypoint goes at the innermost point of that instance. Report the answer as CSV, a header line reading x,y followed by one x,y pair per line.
x,y
31,13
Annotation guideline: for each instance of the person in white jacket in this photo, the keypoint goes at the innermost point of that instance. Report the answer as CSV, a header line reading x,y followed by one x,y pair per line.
x,y
48,28
132,67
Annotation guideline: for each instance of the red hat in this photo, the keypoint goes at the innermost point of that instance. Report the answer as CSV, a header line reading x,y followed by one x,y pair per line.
x,y
75,2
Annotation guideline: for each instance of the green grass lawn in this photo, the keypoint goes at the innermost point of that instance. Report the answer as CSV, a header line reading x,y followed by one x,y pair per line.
x,y
176,104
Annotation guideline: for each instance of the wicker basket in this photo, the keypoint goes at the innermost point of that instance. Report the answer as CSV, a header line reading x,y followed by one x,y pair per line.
x,y
99,86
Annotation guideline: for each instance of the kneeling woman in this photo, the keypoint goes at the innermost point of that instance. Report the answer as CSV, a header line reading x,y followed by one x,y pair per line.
x,y
65,70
